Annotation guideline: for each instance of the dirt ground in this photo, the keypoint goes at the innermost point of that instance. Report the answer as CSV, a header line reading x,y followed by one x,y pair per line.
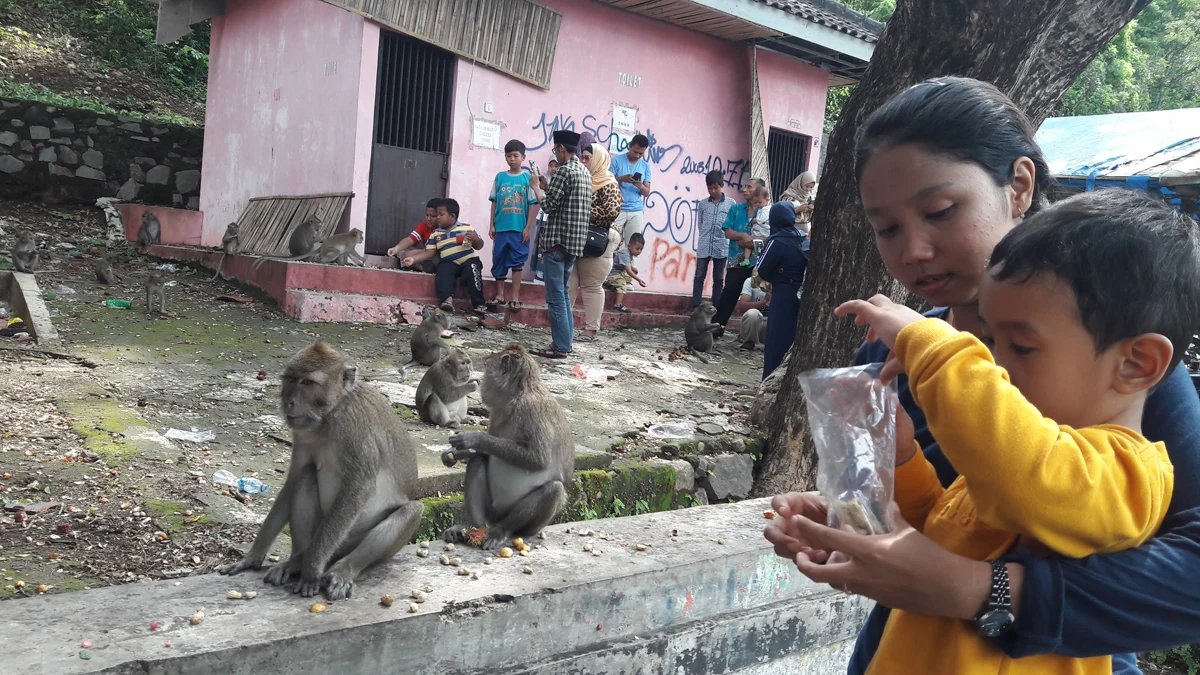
x,y
86,434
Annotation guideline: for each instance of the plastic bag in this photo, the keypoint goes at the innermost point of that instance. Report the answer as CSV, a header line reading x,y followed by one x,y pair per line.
x,y
853,420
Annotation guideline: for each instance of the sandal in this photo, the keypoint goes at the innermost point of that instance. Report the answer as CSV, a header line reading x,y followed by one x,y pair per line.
x,y
548,353
496,301
584,337
514,305
447,307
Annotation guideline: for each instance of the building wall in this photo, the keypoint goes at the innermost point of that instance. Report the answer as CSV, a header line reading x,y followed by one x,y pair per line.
x,y
692,100
287,101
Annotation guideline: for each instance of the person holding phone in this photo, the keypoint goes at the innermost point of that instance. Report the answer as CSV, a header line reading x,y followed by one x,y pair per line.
x,y
633,175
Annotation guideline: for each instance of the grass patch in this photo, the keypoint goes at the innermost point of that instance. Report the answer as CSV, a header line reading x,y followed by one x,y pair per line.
x,y
169,515
102,423
37,93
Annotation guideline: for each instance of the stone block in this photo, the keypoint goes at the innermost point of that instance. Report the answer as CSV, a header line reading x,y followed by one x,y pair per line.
x,y
136,173
9,104
68,156
158,131
139,138
25,157
56,170
39,133
147,162
132,126
61,140
732,476
10,164
126,118
101,122
191,161
176,200
63,125
187,182
701,497
128,191
8,138
685,475
159,175
89,173
47,155
27,146
193,203
17,123
94,158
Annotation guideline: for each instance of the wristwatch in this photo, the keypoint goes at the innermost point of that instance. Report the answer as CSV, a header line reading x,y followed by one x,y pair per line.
x,y
997,618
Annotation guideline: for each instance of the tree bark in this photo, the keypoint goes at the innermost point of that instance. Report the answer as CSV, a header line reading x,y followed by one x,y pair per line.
x,y
1032,50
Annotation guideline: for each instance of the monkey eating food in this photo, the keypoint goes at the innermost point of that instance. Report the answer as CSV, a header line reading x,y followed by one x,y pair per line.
x,y
156,289
230,245
518,470
699,331
337,249
442,394
25,253
105,273
347,498
426,343
302,241
150,233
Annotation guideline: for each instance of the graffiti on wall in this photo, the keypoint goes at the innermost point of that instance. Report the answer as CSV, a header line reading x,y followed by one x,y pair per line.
x,y
671,206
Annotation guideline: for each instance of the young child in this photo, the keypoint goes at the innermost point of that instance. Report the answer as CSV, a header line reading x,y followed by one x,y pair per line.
x,y
623,272
421,232
512,223
455,244
551,169
759,227
1086,306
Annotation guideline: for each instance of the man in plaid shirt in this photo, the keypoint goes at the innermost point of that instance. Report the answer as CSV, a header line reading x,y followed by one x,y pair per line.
x,y
567,201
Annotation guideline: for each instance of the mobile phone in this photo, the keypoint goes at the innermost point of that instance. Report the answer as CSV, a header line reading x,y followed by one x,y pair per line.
x,y
637,176
533,167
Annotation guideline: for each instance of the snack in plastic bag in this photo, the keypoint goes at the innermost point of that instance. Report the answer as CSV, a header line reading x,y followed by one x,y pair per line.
x,y
853,420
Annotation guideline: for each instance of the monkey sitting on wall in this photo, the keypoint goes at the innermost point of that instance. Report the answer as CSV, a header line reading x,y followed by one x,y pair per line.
x,y
25,253
230,245
150,233
699,331
442,394
518,470
348,493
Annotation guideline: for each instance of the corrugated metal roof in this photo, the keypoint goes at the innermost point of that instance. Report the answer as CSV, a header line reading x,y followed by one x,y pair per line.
x,y
831,15
1124,145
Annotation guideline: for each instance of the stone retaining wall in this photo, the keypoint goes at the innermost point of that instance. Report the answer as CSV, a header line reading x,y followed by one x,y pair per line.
x,y
68,155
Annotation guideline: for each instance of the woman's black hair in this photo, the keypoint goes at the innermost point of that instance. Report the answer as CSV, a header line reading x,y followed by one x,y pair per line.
x,y
965,119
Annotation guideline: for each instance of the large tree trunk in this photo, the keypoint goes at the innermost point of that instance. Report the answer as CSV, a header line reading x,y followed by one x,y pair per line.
x,y
1032,50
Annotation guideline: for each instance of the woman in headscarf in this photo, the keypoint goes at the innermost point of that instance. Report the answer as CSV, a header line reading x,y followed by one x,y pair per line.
x,y
590,273
783,261
802,193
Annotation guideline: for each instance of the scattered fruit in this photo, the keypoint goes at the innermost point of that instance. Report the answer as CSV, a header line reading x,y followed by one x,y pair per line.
x,y
197,618
518,542
250,595
86,644
153,626
386,601
424,544
444,559
769,514
448,547
42,588
463,572
317,608
414,608
505,552
587,548
422,553
641,547
233,595
528,570
419,596
455,562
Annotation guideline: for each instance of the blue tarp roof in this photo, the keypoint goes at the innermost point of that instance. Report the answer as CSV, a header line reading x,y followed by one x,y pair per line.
x,y
1133,148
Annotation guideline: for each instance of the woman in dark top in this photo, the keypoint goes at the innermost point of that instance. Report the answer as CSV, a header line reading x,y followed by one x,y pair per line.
x,y
783,260
945,170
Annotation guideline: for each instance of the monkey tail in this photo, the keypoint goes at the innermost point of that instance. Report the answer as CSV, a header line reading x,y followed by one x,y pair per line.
x,y
404,368
697,354
219,264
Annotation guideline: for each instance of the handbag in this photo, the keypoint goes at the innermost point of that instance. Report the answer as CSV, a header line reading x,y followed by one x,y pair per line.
x,y
597,243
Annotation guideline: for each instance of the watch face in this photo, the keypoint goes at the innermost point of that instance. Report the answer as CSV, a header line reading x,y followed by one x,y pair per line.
x,y
995,623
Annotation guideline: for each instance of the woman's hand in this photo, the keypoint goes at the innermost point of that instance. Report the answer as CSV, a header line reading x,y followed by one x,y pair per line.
x,y
789,541
885,318
903,569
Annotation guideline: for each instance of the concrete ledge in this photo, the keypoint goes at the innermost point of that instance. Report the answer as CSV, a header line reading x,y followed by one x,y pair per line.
x,y
25,298
688,604
179,226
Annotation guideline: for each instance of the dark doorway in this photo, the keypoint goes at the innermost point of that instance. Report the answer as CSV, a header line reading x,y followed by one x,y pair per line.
x,y
787,155
409,159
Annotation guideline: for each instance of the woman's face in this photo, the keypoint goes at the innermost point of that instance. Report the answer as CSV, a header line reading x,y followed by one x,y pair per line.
x,y
586,158
937,219
807,187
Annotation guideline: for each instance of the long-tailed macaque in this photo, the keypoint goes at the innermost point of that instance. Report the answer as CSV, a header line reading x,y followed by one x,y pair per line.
x,y
442,394
700,329
25,253
426,344
150,233
348,493
518,470
156,290
105,273
230,245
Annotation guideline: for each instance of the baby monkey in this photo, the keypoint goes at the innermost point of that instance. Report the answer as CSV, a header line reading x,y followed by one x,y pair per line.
x,y
155,288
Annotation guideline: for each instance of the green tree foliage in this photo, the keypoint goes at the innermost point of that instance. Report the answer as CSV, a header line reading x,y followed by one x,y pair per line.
x,y
1152,64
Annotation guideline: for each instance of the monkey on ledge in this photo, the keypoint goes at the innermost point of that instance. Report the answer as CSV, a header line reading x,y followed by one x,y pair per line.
x,y
348,496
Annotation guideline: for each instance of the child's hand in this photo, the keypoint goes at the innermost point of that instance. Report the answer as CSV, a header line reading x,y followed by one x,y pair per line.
x,y
408,261
393,251
526,235
885,318
492,232
641,283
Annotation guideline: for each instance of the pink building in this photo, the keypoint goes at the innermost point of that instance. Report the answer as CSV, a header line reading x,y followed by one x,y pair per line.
x,y
409,102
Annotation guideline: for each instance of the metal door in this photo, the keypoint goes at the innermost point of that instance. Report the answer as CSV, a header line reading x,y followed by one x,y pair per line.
x,y
788,158
410,155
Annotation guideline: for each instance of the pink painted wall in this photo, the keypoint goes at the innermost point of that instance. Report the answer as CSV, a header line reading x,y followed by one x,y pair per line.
x,y
693,101
177,226
290,92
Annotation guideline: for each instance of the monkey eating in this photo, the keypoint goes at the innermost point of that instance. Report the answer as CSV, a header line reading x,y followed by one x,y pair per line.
x,y
301,242
699,331
426,343
105,273
156,289
150,233
442,394
337,249
230,245
518,470
347,498
25,253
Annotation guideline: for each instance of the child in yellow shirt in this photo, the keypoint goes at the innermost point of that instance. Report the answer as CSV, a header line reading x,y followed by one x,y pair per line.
x,y
1084,309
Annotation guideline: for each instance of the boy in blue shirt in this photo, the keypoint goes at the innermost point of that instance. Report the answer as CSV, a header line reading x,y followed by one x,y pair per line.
x,y
512,223
633,175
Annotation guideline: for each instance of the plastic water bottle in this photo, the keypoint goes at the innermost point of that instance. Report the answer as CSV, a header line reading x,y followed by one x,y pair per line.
x,y
252,485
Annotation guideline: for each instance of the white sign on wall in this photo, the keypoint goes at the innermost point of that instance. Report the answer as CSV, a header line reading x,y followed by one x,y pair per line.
x,y
485,134
624,127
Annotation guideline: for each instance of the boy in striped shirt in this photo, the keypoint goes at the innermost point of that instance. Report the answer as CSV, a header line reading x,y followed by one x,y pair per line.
x,y
455,244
